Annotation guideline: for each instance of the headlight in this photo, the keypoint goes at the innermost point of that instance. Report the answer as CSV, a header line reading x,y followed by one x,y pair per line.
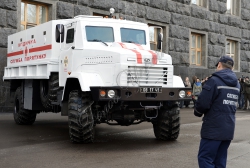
x,y
111,93
182,94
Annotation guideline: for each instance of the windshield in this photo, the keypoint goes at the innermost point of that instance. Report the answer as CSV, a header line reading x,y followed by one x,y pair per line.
x,y
133,36
99,34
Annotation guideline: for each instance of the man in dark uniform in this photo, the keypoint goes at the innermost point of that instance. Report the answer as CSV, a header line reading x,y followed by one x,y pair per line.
x,y
218,103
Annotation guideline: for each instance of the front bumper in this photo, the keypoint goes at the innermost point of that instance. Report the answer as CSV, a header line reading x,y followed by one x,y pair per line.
x,y
134,94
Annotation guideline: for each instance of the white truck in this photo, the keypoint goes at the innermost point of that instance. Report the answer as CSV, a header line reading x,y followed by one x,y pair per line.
x,y
93,70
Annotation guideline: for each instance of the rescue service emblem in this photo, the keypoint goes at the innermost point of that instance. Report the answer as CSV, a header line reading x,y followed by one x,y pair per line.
x,y
65,61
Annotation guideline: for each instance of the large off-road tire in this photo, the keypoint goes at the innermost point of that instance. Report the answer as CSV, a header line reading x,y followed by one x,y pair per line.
x,y
21,115
167,124
48,93
80,117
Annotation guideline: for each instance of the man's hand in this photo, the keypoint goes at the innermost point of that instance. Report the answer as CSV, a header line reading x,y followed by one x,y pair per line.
x,y
197,113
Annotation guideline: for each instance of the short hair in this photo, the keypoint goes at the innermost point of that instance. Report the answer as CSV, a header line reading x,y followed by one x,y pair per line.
x,y
225,65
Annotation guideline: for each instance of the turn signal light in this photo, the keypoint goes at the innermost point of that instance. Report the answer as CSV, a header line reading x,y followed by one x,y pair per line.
x,y
102,93
189,93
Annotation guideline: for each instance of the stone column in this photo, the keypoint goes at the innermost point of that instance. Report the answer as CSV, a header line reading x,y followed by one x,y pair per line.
x,y
8,25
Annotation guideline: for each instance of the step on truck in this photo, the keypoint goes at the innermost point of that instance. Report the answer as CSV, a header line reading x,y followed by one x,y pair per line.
x,y
94,70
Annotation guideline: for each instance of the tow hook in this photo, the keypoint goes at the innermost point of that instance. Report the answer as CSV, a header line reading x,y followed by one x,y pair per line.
x,y
148,110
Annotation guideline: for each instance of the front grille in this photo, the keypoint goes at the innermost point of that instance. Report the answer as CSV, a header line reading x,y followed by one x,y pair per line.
x,y
143,76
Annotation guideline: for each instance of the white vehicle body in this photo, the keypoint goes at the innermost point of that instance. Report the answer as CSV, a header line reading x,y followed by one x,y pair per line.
x,y
34,54
62,64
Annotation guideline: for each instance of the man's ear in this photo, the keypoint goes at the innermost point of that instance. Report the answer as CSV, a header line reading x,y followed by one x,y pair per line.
x,y
219,65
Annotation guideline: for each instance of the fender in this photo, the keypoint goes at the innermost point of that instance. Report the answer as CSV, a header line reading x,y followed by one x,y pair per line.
x,y
86,80
177,81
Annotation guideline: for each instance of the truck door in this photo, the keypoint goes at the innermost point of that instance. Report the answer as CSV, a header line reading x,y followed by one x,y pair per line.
x,y
66,53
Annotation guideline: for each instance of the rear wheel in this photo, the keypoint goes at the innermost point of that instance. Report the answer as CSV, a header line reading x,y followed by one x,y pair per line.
x,y
48,93
81,121
167,124
21,115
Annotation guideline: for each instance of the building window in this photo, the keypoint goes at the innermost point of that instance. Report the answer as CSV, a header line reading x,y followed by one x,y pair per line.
x,y
154,30
196,49
33,14
202,3
232,51
153,37
197,2
233,7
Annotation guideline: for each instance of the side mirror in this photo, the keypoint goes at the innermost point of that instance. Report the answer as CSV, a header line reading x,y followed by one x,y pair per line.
x,y
159,41
59,35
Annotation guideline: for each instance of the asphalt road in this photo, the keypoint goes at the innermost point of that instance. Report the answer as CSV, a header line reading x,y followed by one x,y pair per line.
x,y
46,144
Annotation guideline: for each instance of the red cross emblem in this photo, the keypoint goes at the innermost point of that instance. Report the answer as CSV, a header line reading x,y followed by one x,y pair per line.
x,y
26,51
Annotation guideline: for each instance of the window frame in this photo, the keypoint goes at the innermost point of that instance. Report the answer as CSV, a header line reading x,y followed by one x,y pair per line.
x,y
25,22
230,48
165,29
198,2
155,35
234,7
204,46
201,3
196,49
236,52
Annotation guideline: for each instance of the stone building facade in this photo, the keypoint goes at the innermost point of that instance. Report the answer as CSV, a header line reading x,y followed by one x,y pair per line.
x,y
180,19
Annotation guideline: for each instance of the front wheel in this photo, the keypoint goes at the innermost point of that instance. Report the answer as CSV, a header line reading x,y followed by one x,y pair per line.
x,y
21,115
80,119
167,124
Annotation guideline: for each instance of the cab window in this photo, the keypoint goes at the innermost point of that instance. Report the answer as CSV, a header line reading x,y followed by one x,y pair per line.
x,y
70,36
98,33
133,36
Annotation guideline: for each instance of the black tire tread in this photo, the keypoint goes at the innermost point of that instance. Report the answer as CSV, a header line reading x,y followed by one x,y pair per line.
x,y
78,133
23,117
52,94
167,126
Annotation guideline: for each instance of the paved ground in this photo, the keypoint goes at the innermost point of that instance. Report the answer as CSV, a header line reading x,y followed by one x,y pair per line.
x,y
46,144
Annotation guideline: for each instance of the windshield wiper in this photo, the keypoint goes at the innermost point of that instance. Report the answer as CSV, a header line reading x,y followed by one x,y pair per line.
x,y
129,41
99,41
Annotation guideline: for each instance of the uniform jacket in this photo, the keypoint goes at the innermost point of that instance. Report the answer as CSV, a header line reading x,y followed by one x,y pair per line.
x,y
218,102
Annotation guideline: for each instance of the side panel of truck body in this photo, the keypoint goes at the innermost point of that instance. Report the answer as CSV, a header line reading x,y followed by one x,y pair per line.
x,y
33,53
